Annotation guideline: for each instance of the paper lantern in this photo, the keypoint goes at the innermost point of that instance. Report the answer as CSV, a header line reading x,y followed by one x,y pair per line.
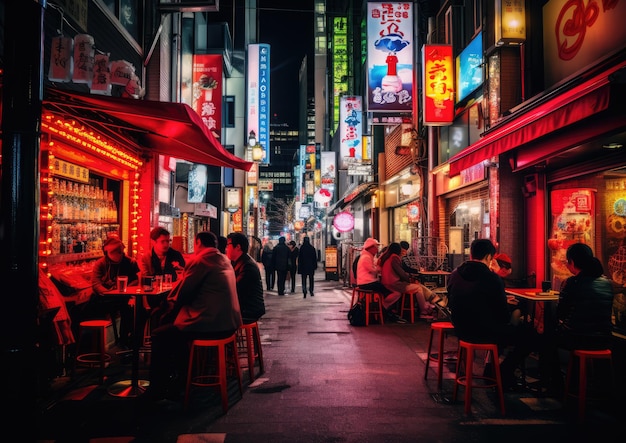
x,y
101,82
83,58
121,72
61,59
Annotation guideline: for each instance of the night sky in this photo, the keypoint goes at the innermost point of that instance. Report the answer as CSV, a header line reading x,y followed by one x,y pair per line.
x,y
287,26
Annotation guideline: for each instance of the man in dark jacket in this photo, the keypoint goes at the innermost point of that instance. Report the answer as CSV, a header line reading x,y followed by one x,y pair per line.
x,y
479,309
307,264
249,283
280,261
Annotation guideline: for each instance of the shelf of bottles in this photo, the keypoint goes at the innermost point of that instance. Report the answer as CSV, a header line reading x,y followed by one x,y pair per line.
x,y
76,217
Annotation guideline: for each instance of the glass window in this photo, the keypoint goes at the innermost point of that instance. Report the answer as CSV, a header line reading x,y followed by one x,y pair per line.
x,y
128,13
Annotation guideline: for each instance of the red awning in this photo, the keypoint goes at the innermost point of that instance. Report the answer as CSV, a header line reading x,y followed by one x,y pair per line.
x,y
173,129
580,102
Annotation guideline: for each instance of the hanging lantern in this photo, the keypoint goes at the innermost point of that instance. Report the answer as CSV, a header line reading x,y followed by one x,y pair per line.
x,y
121,72
101,82
61,59
510,22
83,58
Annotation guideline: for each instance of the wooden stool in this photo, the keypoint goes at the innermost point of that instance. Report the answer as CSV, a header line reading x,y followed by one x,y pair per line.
x,y
98,356
249,340
466,350
369,296
443,327
584,357
200,363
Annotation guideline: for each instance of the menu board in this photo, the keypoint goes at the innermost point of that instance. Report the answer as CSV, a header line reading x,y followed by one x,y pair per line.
x,y
572,213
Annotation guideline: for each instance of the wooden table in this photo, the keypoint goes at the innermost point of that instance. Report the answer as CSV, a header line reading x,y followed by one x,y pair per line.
x,y
134,387
534,296
439,274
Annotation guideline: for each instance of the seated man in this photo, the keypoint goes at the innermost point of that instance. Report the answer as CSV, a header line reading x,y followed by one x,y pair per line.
x,y
480,312
204,305
249,283
104,278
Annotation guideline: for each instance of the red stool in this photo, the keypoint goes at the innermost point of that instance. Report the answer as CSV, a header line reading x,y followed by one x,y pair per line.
x,y
368,297
585,357
200,374
98,329
443,328
249,342
466,350
411,305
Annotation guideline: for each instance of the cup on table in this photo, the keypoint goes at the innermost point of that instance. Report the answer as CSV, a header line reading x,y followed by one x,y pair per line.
x,y
546,286
167,281
122,283
147,282
158,282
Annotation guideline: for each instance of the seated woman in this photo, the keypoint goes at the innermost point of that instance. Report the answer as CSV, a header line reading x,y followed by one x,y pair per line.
x,y
396,279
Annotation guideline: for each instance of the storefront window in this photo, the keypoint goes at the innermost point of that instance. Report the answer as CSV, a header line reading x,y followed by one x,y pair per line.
x,y
473,217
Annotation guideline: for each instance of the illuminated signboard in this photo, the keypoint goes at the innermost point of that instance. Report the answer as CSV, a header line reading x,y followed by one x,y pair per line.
x,y
438,81
350,130
207,90
340,62
390,56
258,90
469,68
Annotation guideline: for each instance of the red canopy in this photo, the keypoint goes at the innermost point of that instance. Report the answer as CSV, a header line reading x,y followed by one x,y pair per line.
x,y
564,111
173,129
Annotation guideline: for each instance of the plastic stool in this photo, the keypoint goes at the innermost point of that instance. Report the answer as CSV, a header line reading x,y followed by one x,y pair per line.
x,y
198,374
99,357
249,340
410,308
443,328
466,350
369,296
585,357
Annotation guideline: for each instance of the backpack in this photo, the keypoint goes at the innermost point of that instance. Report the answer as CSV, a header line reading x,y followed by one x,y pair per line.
x,y
356,315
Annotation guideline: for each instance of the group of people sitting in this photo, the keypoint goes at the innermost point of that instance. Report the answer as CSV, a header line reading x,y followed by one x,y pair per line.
x,y
480,312
214,293
387,274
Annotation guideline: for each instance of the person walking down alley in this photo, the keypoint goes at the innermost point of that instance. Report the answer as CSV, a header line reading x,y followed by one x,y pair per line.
x,y
266,259
307,264
280,260
293,264
249,283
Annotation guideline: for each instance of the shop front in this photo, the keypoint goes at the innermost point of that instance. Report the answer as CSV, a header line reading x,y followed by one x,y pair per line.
x,y
556,177
102,164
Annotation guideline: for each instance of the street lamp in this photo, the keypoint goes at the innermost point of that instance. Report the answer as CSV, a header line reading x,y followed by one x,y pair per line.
x,y
257,149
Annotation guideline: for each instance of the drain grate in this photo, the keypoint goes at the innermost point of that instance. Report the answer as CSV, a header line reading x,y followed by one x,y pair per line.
x,y
270,389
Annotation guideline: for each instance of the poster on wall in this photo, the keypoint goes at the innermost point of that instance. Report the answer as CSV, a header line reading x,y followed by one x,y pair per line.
x,y
572,213
390,56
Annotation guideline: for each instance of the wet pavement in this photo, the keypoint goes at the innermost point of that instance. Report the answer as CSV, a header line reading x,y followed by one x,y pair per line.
x,y
324,381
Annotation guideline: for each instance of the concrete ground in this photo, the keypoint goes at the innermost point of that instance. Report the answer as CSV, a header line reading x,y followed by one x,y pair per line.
x,y
325,381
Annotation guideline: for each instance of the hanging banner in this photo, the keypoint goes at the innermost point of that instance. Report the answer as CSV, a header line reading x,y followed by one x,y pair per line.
x,y
438,81
390,56
61,66
350,130
207,90
83,58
